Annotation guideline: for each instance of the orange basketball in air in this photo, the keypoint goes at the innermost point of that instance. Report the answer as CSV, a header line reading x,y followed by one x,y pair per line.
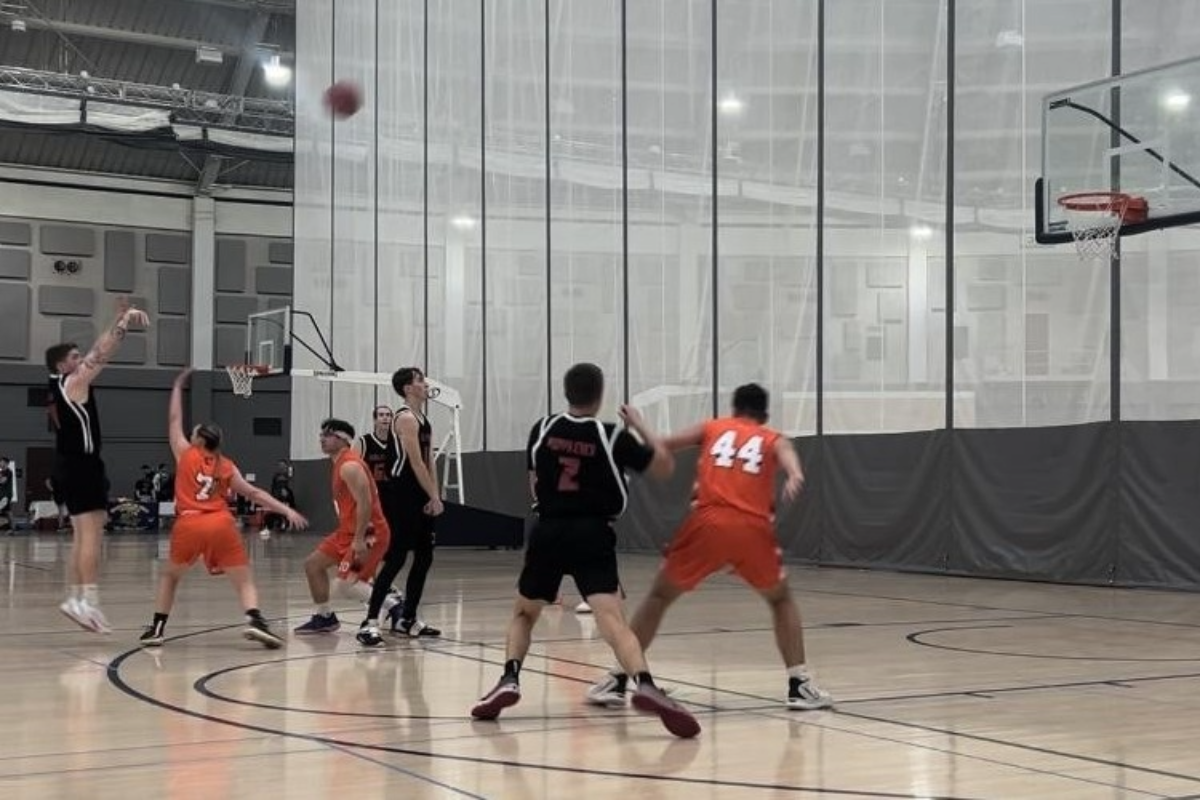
x,y
343,99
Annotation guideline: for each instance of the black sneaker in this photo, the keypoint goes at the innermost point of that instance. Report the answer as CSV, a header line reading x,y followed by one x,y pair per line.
x,y
152,636
257,630
393,616
507,693
414,628
320,623
368,636
650,699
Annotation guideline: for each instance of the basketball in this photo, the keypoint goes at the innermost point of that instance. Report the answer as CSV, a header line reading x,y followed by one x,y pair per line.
x,y
343,99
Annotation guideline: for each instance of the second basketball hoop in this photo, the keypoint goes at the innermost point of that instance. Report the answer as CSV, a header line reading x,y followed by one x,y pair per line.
x,y
1094,220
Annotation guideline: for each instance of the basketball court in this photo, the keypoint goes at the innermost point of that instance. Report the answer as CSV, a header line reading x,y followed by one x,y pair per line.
x,y
945,687
995,559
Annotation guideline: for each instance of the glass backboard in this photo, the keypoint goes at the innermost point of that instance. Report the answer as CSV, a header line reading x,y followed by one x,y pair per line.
x,y
1136,134
269,339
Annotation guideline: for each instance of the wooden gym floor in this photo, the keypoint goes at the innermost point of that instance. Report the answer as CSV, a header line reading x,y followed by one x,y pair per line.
x,y
946,687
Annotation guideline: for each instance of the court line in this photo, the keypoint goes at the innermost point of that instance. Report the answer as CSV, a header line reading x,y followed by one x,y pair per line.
x,y
34,567
915,638
1015,689
713,710
410,773
1002,742
819,626
1063,614
118,682
158,763
714,689
201,686
1104,762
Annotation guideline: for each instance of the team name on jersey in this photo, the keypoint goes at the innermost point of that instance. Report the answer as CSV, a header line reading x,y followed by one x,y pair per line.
x,y
570,447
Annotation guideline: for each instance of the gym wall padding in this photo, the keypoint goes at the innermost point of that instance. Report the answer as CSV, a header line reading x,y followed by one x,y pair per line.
x,y
1104,503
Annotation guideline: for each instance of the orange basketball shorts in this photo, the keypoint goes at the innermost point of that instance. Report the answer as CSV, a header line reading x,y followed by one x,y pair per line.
x,y
712,539
213,537
337,546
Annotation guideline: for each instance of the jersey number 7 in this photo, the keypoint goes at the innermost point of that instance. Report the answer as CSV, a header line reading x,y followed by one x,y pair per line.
x,y
205,482
725,452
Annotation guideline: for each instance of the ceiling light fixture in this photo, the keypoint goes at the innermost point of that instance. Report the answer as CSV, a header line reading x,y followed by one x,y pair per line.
x,y
731,105
276,73
1177,101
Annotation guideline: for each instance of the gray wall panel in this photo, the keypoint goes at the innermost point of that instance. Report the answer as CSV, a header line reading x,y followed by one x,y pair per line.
x,y
273,280
163,248
132,350
233,310
17,264
14,321
66,301
231,265
68,240
230,343
119,261
16,233
80,331
280,253
174,290
174,342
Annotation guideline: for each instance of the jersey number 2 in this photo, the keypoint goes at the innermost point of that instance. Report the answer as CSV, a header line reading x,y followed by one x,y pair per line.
x,y
569,471
206,486
724,452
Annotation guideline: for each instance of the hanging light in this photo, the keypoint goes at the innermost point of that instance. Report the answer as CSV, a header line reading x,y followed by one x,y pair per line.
x,y
276,73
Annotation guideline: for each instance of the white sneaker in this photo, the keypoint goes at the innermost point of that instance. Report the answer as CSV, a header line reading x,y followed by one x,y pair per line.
x,y
583,608
93,618
608,692
70,610
804,695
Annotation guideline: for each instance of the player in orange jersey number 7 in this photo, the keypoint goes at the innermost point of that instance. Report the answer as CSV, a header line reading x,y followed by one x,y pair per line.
x,y
204,527
731,525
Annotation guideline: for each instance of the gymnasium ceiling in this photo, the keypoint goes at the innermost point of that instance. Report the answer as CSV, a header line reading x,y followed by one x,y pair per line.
x,y
147,42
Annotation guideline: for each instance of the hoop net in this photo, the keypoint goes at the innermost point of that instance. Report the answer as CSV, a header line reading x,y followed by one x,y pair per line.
x,y
241,377
1094,220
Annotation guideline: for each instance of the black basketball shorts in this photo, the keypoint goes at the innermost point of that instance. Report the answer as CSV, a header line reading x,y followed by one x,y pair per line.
x,y
584,548
82,483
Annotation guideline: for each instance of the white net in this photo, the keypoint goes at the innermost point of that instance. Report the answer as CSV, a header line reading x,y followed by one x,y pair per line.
x,y
241,378
1094,221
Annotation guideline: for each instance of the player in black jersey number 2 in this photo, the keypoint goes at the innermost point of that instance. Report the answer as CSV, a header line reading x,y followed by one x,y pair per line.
x,y
577,470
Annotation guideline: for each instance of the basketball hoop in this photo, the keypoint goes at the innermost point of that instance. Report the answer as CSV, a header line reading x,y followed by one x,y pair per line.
x,y
1095,219
241,377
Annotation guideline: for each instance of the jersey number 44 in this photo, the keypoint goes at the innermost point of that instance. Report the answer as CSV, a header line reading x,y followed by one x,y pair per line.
x,y
726,453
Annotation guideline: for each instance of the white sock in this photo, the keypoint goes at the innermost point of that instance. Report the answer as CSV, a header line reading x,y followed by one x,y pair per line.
x,y
91,593
355,590
324,609
73,591
390,601
799,671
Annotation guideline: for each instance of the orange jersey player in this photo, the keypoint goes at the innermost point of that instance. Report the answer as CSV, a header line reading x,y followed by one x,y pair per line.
x,y
357,546
731,526
204,529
